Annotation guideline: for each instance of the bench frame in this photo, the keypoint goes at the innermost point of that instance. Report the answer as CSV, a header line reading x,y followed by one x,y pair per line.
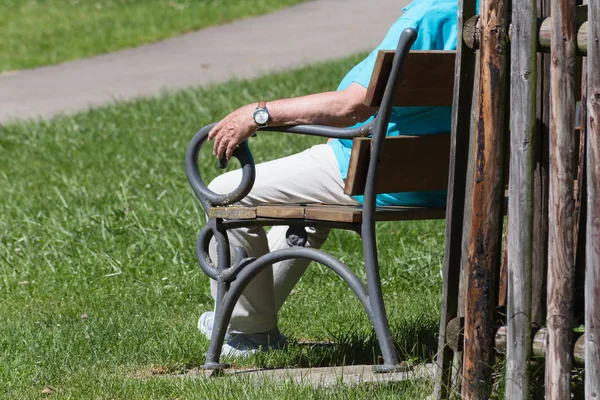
x,y
232,279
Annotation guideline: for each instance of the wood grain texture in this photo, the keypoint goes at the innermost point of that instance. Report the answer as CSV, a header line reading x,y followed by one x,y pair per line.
x,y
561,262
291,211
541,183
427,79
232,212
545,36
406,164
486,220
323,212
538,345
464,73
544,31
592,279
520,198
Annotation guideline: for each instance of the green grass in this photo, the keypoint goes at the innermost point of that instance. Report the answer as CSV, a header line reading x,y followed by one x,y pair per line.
x,y
98,278
42,32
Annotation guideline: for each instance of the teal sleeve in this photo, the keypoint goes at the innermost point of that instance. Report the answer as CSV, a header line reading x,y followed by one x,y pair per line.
x,y
362,72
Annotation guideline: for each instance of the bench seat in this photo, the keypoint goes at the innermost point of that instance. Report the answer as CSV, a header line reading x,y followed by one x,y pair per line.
x,y
329,213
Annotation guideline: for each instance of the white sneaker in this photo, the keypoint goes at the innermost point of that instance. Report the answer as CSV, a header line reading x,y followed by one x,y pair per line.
x,y
242,345
246,344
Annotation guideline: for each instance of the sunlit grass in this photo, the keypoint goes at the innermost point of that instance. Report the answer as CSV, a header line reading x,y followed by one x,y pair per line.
x,y
42,32
98,278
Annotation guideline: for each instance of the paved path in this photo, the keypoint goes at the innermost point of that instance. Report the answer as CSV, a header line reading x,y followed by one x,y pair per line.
x,y
309,32
326,376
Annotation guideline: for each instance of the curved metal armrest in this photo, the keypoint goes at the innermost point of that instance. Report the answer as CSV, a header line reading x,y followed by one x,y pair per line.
x,y
323,131
206,196
209,198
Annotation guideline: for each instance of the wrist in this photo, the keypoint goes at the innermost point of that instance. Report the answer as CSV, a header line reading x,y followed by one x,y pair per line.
x,y
261,115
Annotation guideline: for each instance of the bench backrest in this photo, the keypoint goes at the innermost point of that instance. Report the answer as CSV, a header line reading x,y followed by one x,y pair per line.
x,y
408,163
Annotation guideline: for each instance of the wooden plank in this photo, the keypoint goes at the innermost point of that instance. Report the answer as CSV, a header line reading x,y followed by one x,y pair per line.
x,y
358,166
464,72
345,214
592,279
520,198
406,164
486,220
580,196
291,211
351,214
561,261
427,79
541,182
232,212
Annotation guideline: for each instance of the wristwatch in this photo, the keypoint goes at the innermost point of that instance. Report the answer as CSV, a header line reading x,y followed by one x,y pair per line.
x,y
261,115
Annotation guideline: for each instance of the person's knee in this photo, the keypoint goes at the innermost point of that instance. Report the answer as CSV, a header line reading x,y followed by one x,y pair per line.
x,y
225,183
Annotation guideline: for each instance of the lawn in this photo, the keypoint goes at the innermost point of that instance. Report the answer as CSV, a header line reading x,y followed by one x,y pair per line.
x,y
99,286
42,32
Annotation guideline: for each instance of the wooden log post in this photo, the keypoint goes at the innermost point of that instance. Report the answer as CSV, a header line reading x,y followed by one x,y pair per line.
x,y
541,176
461,113
544,32
539,348
561,263
538,345
592,279
486,220
520,198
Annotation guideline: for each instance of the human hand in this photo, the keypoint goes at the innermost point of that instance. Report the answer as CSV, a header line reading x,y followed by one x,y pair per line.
x,y
232,130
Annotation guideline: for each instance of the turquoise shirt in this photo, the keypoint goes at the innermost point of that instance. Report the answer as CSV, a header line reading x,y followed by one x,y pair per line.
x,y
436,24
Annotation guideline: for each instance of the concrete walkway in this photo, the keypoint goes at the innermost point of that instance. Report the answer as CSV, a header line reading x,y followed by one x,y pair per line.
x,y
325,376
315,31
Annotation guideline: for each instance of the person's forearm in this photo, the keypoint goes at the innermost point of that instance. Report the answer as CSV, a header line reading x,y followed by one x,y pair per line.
x,y
341,108
328,108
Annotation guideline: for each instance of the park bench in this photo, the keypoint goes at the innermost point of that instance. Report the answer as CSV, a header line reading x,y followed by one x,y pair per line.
x,y
401,78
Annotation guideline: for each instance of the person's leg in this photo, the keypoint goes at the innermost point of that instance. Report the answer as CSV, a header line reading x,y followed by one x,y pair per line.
x,y
308,177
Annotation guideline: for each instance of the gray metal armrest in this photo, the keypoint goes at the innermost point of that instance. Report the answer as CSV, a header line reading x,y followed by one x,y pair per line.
x,y
209,198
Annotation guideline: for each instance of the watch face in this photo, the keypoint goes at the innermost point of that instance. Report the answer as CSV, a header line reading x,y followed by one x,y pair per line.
x,y
261,116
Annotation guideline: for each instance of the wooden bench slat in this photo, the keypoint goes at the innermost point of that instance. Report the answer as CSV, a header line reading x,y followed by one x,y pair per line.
x,y
345,214
427,79
292,211
330,213
407,164
232,212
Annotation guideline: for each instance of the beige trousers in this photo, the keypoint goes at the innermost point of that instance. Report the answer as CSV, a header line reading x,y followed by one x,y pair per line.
x,y
311,176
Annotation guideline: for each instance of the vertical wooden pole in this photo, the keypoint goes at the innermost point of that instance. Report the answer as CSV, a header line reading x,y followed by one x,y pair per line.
x,y
487,203
592,279
540,213
520,197
461,112
561,262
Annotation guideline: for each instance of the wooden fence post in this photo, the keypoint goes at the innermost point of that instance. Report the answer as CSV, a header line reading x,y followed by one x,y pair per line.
x,y
540,213
461,113
592,279
488,191
561,263
520,198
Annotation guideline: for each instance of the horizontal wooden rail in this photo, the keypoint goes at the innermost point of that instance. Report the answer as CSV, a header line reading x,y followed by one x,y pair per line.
x,y
454,340
471,32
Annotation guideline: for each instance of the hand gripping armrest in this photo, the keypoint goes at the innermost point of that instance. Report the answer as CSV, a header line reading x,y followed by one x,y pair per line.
x,y
205,195
209,198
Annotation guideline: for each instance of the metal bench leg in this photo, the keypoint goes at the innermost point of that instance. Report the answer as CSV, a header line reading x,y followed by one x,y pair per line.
x,y
219,329
378,315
